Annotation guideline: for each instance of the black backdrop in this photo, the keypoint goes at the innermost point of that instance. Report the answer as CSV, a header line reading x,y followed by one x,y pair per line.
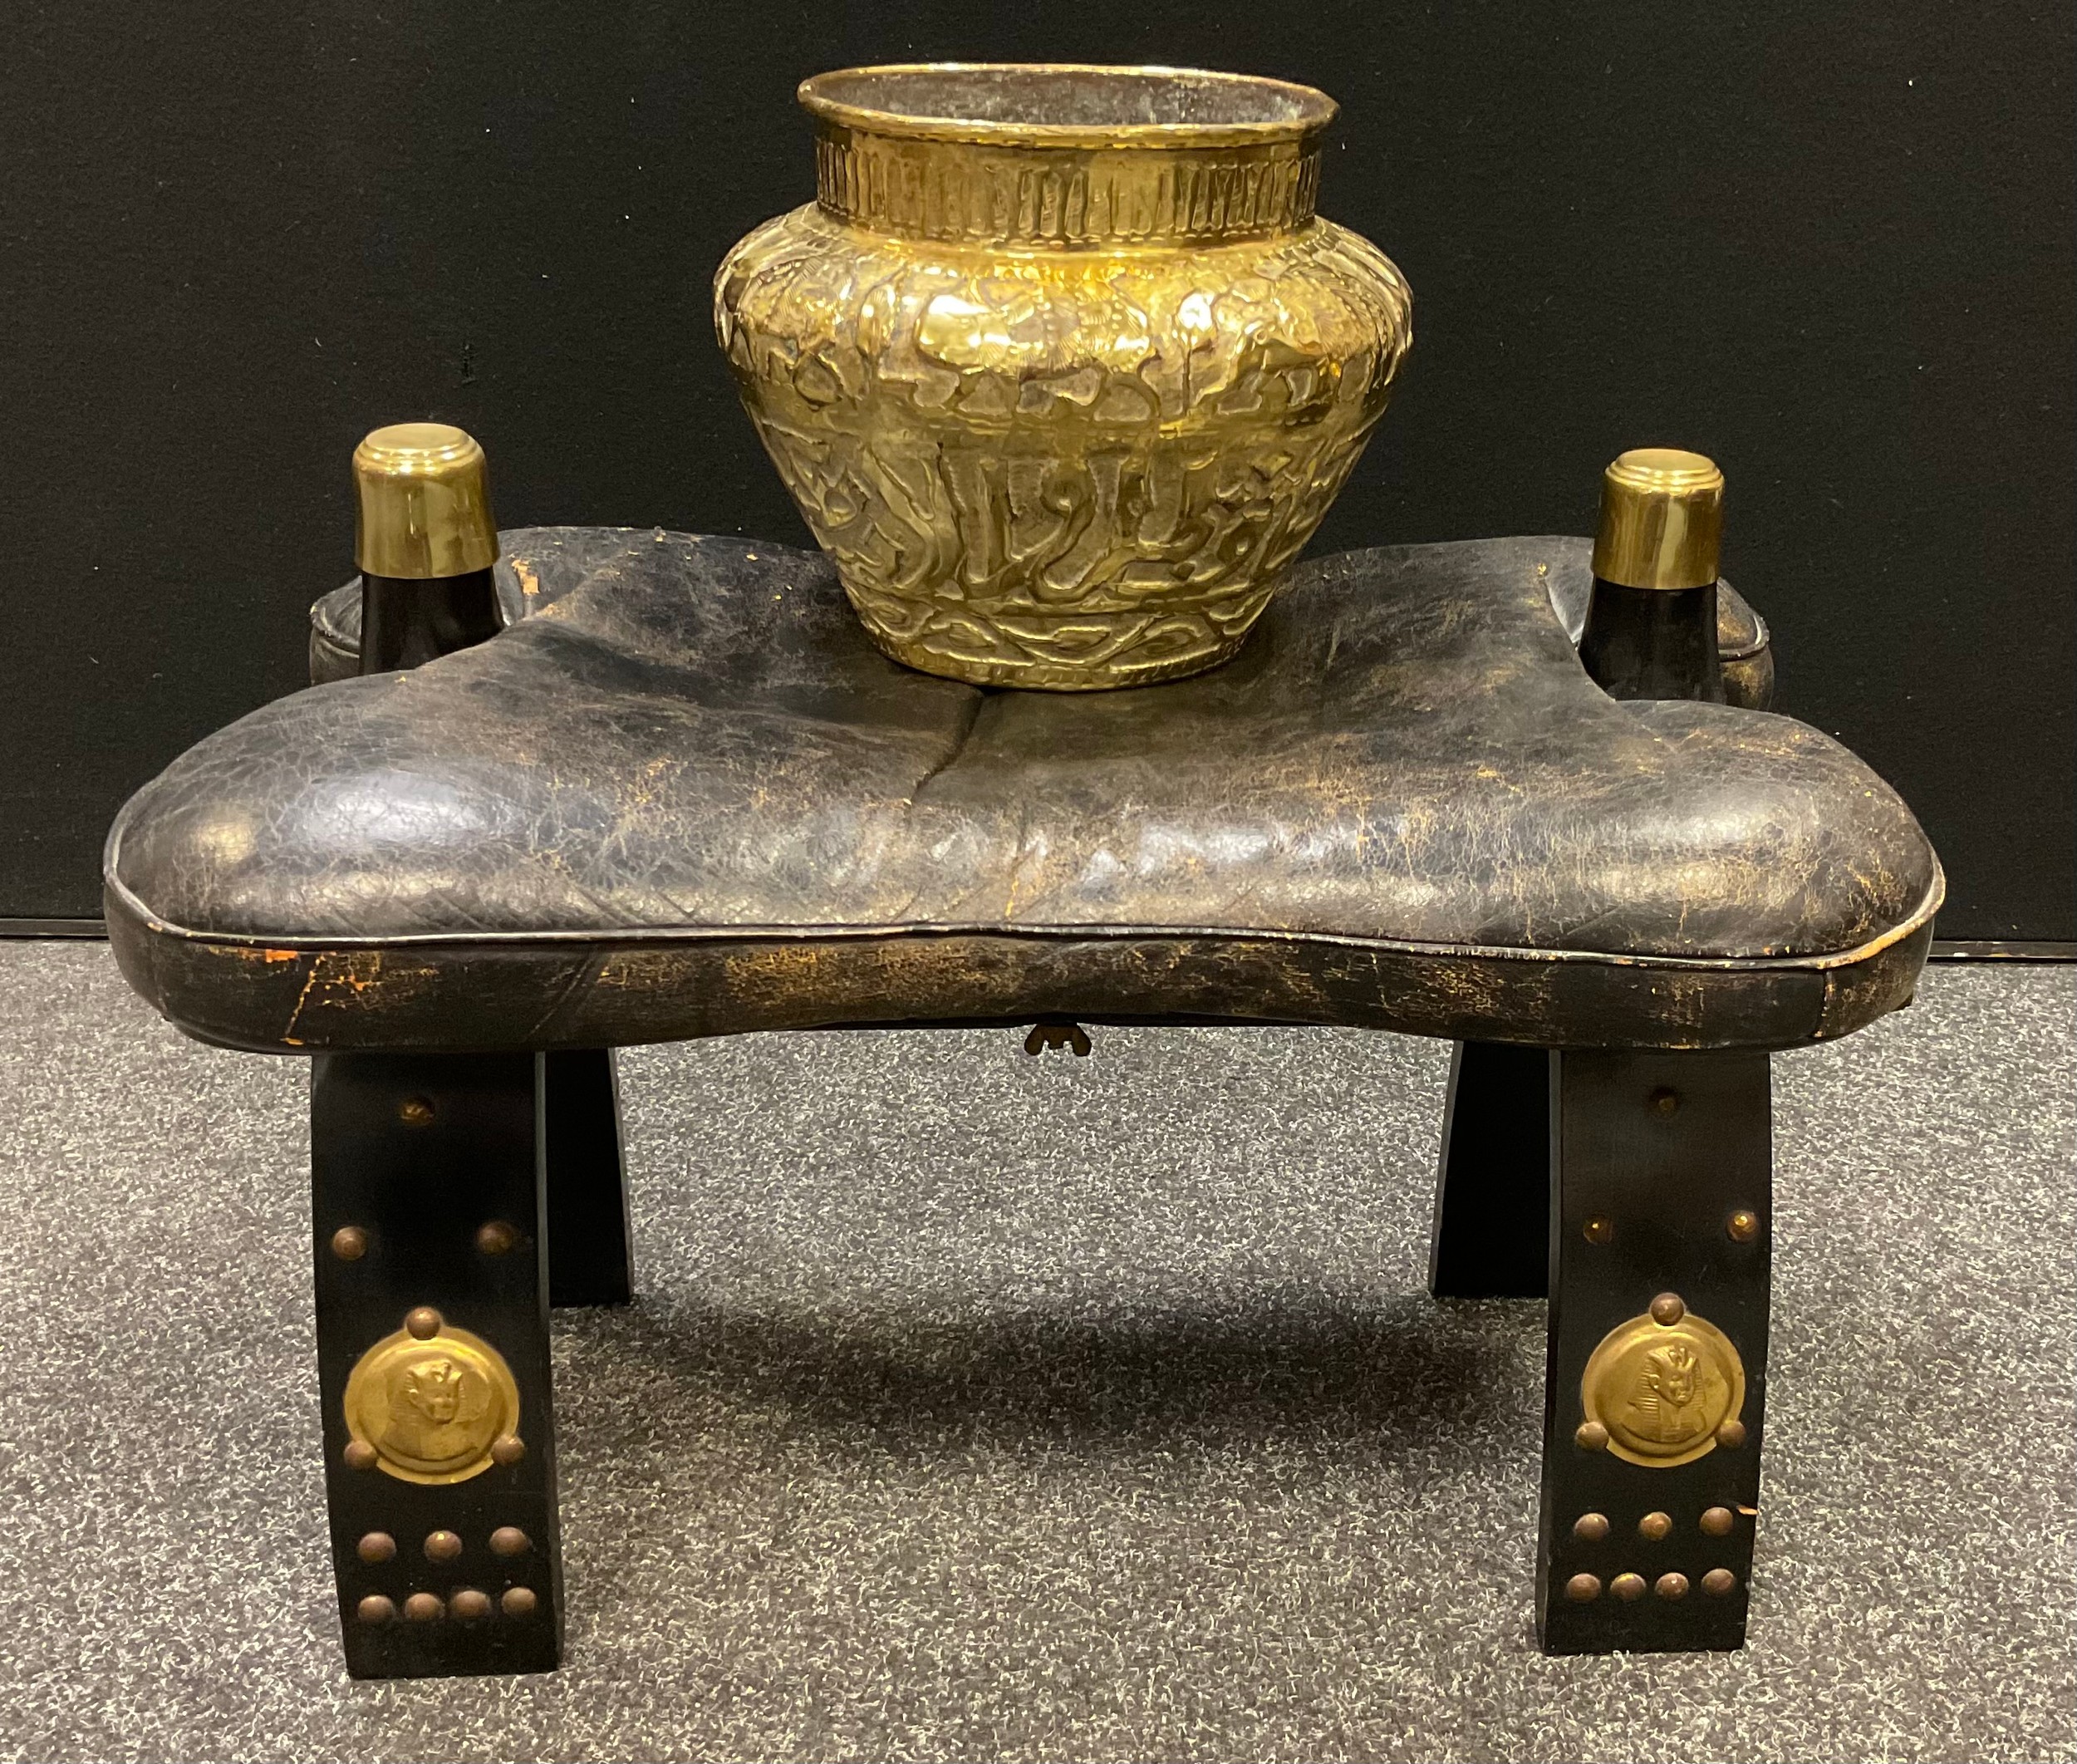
x,y
1831,245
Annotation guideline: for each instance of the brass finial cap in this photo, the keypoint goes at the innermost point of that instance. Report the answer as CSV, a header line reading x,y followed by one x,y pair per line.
x,y
423,503
1661,520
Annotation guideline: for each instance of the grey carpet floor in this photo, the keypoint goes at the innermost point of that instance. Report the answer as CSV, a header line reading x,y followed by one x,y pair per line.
x,y
977,1407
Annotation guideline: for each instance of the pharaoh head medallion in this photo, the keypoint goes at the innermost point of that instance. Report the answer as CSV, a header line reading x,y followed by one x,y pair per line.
x,y
432,1407
1662,1384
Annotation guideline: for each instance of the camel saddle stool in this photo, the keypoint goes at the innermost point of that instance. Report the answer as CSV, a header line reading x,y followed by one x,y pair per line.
x,y
679,794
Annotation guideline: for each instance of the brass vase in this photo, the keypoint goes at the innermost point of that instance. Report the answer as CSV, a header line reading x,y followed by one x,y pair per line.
x,y
1059,365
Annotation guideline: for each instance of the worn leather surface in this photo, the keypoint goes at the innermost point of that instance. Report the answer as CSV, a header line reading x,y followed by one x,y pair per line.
x,y
1742,637
689,775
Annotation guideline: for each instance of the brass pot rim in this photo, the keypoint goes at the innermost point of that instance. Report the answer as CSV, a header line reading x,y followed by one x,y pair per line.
x,y
1307,109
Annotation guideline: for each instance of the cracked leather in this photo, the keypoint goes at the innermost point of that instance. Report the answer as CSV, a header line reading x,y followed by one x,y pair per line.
x,y
1743,640
686,796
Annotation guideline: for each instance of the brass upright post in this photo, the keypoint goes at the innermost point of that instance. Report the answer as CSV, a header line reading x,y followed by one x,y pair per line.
x,y
1651,628
425,542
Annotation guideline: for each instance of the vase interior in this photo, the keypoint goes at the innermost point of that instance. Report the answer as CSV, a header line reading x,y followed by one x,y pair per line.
x,y
1000,99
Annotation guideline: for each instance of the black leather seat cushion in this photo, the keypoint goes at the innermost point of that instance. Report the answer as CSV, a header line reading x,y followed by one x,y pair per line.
x,y
687,796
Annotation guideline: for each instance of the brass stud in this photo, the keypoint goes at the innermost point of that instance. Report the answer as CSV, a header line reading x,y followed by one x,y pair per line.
x,y
496,1238
509,1540
1629,1588
422,1608
1743,1225
519,1601
1654,1526
359,1454
1590,1528
469,1605
374,1608
1667,1310
1716,1521
415,1111
1666,1100
349,1243
1731,1434
1582,1588
1671,1586
507,1448
377,1546
423,1323
1590,1436
1599,1229
1720,1581
442,1546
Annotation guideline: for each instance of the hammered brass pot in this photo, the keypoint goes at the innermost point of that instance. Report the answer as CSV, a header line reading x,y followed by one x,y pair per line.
x,y
1060,366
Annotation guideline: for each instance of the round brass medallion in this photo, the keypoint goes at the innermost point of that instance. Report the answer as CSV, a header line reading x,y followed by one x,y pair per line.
x,y
431,1407
1662,1389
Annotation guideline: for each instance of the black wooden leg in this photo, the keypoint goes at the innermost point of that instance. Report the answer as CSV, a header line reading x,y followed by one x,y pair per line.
x,y
1492,1201
433,1361
1658,1349
589,1257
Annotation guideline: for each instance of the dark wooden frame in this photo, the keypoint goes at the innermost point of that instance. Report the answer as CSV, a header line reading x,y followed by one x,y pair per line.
x,y
485,1187
463,1183
1601,1179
